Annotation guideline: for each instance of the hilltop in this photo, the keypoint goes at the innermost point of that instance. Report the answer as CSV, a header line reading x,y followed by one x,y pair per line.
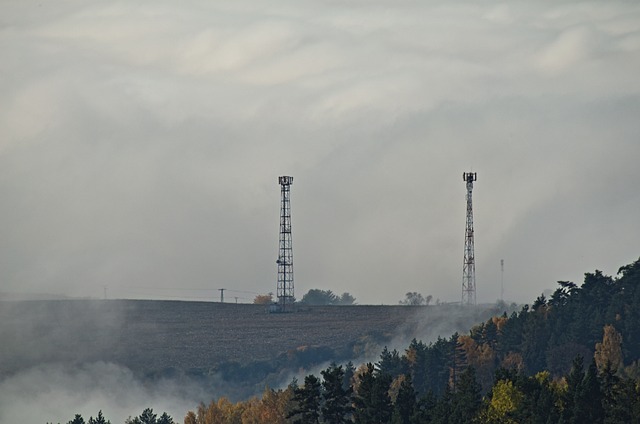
x,y
167,338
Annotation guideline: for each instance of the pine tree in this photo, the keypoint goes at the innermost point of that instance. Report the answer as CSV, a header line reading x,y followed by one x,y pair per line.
x,y
415,363
574,380
337,397
391,363
99,419
458,362
587,407
442,412
307,402
148,417
405,406
372,401
467,398
616,402
77,420
539,403
490,333
425,408
165,419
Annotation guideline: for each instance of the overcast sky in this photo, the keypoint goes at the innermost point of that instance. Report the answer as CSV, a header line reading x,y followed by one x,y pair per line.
x,y
140,145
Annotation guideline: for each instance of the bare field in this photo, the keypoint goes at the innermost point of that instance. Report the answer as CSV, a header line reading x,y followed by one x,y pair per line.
x,y
155,336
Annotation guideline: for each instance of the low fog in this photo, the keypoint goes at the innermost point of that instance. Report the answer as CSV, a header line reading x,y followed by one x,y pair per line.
x,y
52,367
55,393
59,358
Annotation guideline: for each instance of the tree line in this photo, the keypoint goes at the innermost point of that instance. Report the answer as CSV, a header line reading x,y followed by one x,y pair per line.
x,y
314,297
146,417
371,395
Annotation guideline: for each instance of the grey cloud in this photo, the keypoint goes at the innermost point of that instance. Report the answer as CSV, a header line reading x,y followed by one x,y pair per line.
x,y
141,144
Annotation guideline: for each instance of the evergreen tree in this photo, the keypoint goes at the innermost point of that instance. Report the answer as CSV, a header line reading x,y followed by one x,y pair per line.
x,y
535,336
372,401
467,398
442,412
165,419
349,371
626,408
587,407
405,406
457,362
77,420
425,408
616,402
337,398
307,402
511,335
415,363
147,417
629,309
539,404
99,419
490,333
391,363
574,380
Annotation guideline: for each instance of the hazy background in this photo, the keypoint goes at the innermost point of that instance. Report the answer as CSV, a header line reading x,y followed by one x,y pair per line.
x,y
62,357
55,393
140,145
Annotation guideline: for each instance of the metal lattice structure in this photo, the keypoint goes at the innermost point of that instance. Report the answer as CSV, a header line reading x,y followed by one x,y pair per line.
x,y
469,262
285,252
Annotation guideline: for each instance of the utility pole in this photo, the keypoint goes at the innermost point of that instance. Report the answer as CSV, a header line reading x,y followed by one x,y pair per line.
x,y
502,280
469,262
285,250
221,295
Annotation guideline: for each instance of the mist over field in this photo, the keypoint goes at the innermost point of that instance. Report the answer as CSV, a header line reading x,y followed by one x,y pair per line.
x,y
56,392
80,356
52,367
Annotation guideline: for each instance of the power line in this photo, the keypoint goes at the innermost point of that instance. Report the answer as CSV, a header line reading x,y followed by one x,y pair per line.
x,y
191,289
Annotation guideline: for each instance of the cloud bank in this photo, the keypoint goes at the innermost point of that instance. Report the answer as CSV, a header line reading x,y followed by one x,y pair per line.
x,y
140,145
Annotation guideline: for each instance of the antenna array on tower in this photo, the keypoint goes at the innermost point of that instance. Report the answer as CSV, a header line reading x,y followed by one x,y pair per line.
x,y
469,262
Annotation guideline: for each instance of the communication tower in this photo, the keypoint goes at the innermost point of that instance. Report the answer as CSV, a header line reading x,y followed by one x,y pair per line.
x,y
469,262
285,252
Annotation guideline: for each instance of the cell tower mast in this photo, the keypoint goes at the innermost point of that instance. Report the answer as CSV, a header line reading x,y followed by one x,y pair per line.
x,y
285,252
469,262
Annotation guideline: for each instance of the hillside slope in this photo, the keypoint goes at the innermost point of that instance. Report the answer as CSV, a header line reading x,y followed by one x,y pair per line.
x,y
164,336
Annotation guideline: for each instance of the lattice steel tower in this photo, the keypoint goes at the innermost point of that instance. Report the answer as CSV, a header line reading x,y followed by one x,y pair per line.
x,y
285,252
469,262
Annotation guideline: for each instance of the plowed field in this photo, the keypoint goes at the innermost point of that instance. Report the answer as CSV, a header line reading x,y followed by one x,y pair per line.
x,y
151,336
